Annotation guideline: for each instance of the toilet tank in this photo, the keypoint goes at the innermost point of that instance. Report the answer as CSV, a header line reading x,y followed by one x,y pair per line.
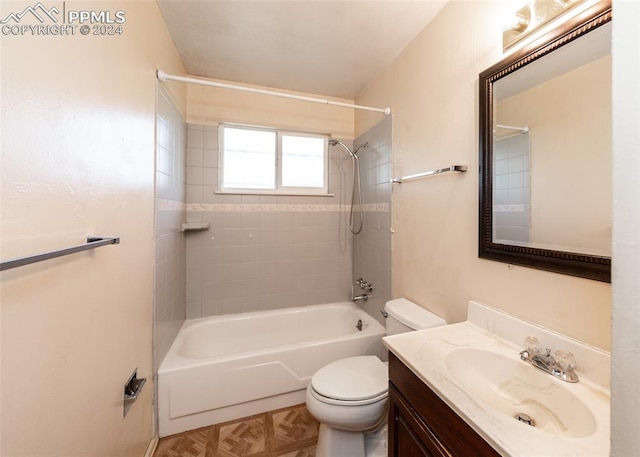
x,y
405,316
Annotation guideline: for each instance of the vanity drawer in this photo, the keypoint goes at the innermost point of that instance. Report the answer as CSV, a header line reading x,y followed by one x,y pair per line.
x,y
421,424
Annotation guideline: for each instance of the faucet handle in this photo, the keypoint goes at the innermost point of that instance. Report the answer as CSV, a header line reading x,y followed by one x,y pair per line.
x,y
565,360
532,345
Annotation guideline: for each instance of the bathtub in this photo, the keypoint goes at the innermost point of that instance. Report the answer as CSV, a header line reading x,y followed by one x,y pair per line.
x,y
226,367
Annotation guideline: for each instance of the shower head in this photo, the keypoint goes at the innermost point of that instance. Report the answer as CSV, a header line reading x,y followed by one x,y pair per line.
x,y
353,154
355,190
345,147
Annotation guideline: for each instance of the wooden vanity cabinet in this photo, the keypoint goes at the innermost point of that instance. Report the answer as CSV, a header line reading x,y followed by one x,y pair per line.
x,y
421,424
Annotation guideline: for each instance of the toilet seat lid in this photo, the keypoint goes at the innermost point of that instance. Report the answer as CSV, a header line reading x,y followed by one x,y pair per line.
x,y
352,379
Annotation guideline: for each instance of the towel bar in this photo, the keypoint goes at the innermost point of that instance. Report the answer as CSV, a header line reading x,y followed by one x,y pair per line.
x,y
92,243
461,168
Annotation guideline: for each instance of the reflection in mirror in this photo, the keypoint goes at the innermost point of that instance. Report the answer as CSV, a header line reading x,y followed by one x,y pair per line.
x,y
545,144
511,187
552,183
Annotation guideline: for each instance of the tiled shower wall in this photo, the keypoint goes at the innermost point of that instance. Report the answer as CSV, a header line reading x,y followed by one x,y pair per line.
x,y
372,247
263,252
170,278
512,189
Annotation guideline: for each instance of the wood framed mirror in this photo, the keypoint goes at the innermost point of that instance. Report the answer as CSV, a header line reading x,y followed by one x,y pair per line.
x,y
545,160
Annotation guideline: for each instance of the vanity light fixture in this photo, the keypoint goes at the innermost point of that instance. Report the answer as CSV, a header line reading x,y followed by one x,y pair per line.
x,y
518,22
533,16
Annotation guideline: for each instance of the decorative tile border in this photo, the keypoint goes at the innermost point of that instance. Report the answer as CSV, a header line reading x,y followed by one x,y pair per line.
x,y
376,207
508,208
171,205
278,207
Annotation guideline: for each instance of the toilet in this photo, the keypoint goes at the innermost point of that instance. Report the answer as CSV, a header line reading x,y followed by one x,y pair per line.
x,y
349,396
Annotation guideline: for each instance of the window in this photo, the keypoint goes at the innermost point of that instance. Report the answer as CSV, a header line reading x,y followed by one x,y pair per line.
x,y
260,160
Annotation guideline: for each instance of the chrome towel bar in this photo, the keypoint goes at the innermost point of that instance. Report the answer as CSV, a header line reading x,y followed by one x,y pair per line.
x,y
461,168
92,243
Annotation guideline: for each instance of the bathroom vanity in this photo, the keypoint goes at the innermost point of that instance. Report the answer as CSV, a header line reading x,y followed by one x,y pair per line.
x,y
466,390
421,424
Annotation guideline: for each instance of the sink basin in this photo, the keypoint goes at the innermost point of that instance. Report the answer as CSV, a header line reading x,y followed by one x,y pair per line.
x,y
475,368
513,387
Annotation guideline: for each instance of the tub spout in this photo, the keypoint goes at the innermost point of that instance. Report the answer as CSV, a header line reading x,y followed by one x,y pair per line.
x,y
361,297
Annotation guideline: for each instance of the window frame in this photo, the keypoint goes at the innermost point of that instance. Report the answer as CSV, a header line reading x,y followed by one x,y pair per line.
x,y
279,188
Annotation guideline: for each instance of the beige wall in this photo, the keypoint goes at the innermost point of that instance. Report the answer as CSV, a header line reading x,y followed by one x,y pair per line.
x,y
570,136
212,105
78,117
432,88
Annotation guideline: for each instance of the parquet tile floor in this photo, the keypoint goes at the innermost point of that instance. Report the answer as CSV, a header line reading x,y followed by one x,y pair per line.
x,y
287,432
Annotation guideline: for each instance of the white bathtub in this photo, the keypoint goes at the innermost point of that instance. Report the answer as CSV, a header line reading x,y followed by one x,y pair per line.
x,y
227,367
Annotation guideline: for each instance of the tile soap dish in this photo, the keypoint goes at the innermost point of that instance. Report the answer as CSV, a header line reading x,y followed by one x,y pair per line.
x,y
195,226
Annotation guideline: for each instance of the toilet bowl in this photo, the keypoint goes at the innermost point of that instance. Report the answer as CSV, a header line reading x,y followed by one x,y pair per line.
x,y
349,396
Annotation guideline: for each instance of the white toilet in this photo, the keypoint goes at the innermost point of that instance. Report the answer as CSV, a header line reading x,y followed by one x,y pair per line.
x,y
349,396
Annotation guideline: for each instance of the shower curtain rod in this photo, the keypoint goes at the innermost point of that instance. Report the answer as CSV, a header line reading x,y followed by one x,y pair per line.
x,y
162,76
524,129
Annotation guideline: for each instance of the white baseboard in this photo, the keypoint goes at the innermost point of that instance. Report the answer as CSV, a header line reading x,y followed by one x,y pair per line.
x,y
153,444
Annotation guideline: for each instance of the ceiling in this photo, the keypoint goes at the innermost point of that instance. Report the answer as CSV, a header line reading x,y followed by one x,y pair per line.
x,y
332,48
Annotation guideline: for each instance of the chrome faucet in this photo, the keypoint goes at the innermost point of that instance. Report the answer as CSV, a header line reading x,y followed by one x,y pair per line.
x,y
545,362
561,366
364,285
363,297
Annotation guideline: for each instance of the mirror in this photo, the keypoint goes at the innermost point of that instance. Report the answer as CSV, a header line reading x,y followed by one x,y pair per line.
x,y
545,151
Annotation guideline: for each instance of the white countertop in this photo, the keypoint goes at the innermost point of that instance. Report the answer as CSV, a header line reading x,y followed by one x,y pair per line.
x,y
425,353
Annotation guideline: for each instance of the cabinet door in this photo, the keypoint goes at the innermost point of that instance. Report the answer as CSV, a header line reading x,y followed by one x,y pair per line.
x,y
408,435
437,429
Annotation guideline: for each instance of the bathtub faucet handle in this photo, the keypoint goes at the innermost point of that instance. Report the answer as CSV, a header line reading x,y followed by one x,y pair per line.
x,y
364,284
